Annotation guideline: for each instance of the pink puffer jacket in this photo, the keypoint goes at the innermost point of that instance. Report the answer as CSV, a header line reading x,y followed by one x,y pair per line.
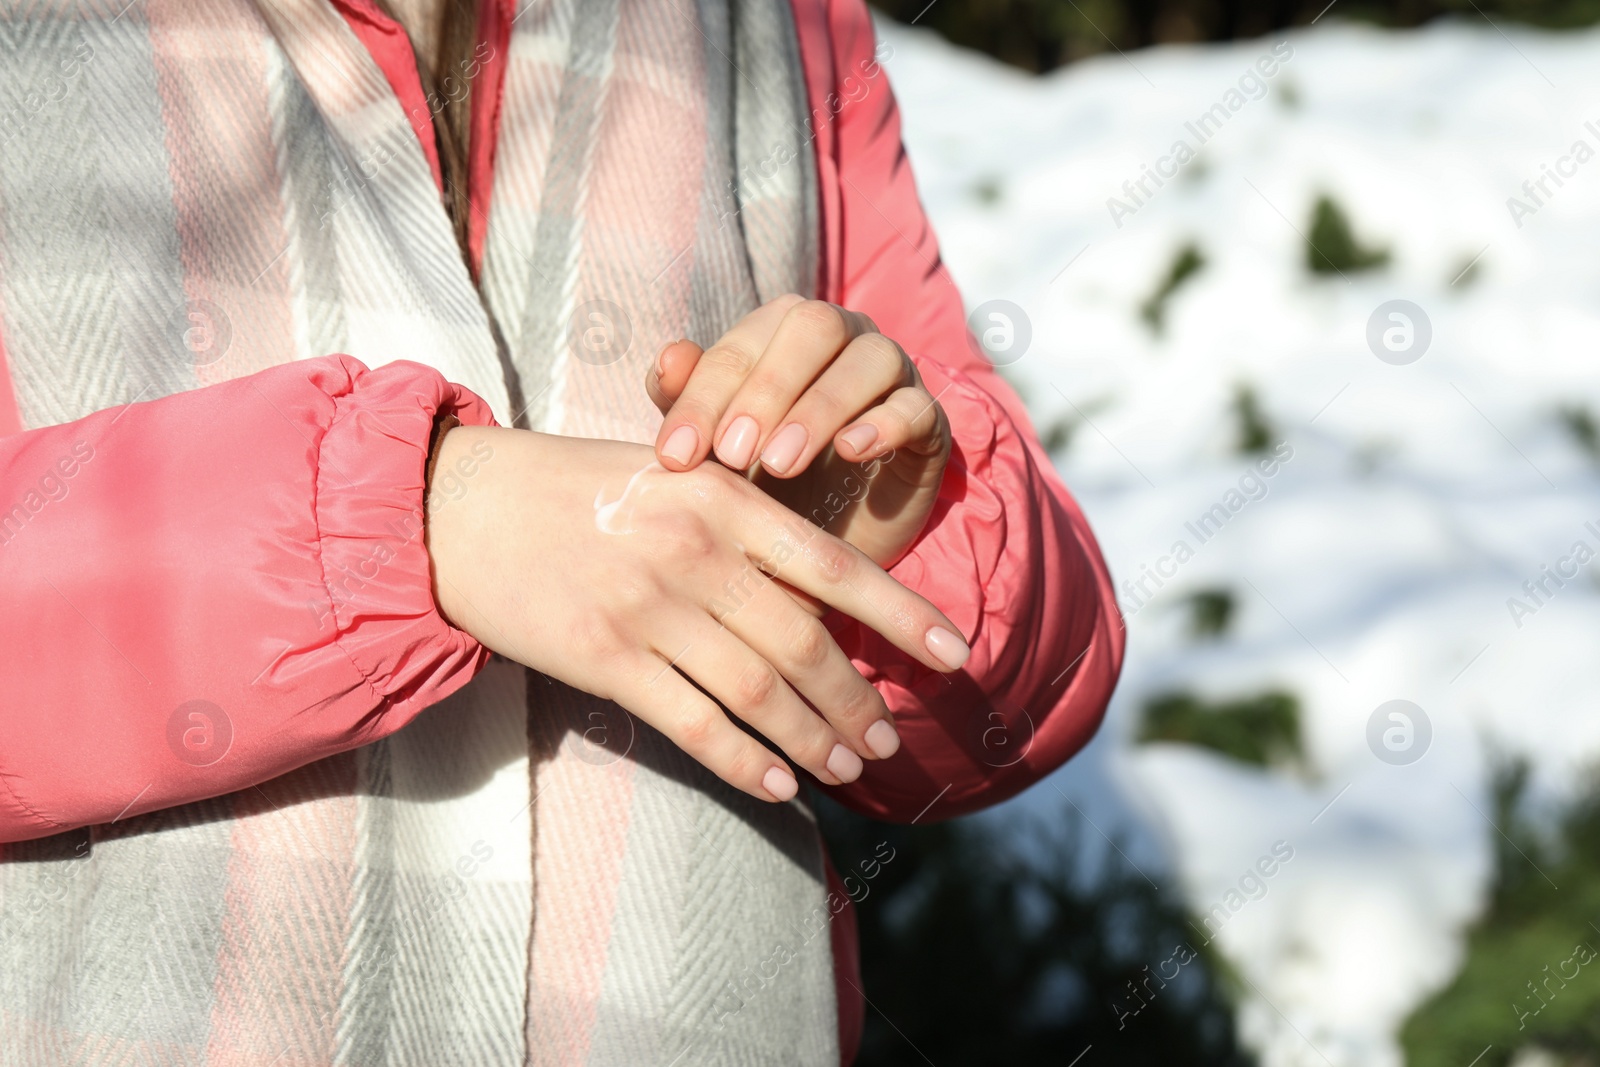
x,y
169,576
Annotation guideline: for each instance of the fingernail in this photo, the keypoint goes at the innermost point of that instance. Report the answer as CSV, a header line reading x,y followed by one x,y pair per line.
x,y
882,739
947,647
661,355
680,445
780,783
860,438
785,448
845,765
739,442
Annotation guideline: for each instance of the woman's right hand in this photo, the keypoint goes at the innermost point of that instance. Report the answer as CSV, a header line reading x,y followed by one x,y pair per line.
x,y
586,560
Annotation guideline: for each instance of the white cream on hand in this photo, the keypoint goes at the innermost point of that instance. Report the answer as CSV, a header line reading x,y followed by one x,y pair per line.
x,y
616,517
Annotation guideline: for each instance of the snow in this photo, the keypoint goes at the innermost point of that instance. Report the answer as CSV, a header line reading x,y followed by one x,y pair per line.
x,y
1417,500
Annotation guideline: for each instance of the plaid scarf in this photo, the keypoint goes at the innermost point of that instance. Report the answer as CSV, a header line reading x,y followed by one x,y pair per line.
x,y
193,190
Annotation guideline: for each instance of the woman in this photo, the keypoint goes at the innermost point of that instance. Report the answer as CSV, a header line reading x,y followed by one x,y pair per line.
x,y
344,379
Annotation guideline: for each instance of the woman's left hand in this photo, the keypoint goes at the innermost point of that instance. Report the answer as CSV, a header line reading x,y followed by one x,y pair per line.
x,y
821,410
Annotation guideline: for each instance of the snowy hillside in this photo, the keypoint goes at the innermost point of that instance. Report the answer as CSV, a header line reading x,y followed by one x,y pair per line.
x,y
1377,560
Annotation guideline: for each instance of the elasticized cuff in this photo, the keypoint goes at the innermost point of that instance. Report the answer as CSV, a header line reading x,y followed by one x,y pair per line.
x,y
371,482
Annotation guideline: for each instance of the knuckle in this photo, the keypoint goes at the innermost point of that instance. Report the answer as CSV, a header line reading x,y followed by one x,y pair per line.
x,y
821,320
809,648
594,637
730,356
633,592
724,362
695,408
817,750
697,726
894,423
756,686
745,766
835,563
686,537
862,702
711,487
765,392
883,355
825,399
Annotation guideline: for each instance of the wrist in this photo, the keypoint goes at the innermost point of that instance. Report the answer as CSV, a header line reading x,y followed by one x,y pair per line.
x,y
457,460
441,426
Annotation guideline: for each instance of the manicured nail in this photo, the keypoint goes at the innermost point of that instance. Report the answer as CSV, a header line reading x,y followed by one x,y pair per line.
x,y
785,448
680,445
882,739
780,783
860,438
845,765
739,442
947,647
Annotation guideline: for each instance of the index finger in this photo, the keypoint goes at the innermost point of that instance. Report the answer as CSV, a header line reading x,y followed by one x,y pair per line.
x,y
840,575
685,435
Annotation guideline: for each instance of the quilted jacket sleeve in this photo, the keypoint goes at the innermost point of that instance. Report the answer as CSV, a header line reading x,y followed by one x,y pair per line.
x,y
1007,553
205,591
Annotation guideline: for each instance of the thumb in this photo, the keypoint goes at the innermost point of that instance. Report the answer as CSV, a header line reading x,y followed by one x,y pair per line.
x,y
666,378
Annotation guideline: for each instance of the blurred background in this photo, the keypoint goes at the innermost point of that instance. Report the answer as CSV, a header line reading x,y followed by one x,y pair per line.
x,y
1323,380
